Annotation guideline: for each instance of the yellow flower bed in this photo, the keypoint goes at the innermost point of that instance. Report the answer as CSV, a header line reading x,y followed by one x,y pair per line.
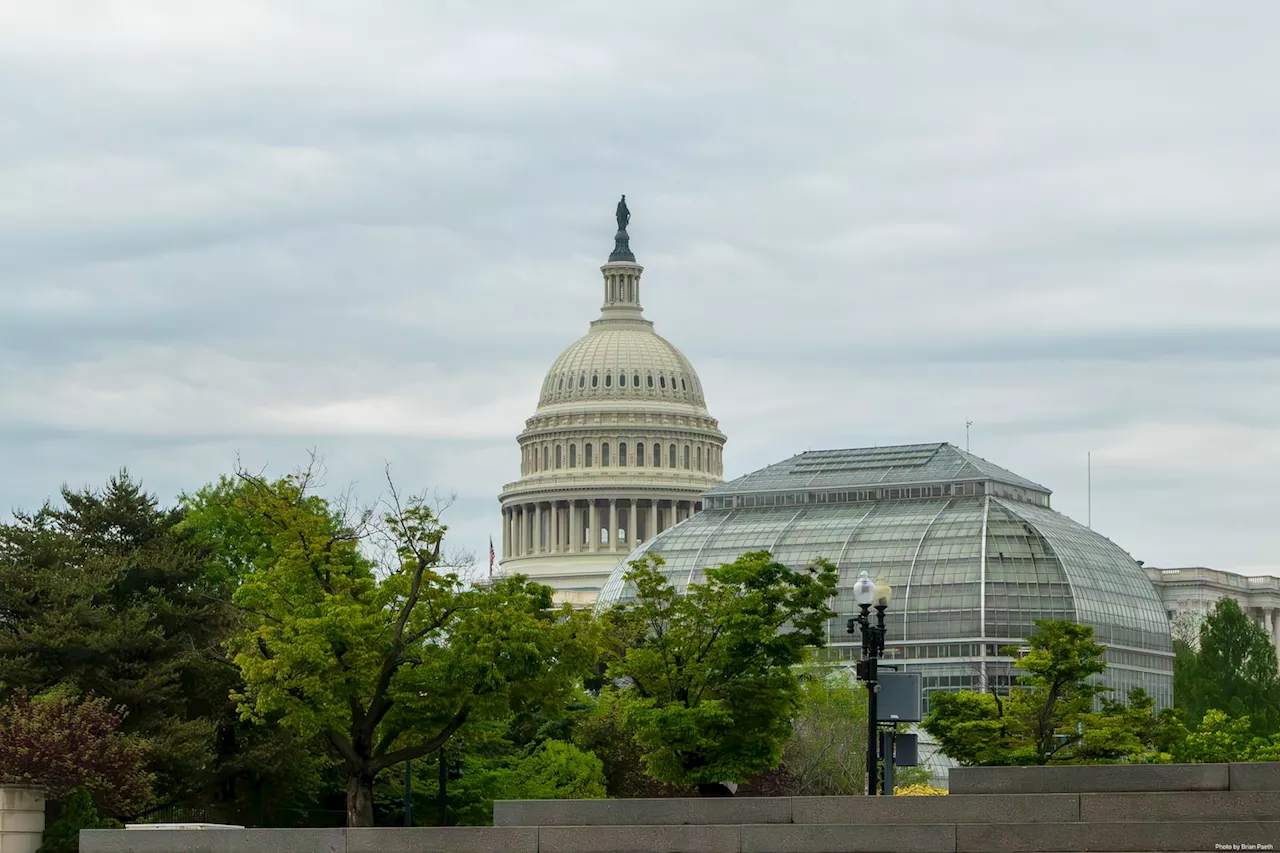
x,y
919,791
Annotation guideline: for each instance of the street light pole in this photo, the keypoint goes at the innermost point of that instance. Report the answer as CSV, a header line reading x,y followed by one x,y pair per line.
x,y
867,592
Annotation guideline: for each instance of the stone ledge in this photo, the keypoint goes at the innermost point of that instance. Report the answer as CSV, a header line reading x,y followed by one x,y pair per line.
x,y
1255,776
213,841
834,838
643,812
445,839
1089,779
1180,806
640,839
1131,837
988,808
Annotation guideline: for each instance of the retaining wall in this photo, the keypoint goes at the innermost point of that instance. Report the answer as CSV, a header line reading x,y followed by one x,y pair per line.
x,y
1174,808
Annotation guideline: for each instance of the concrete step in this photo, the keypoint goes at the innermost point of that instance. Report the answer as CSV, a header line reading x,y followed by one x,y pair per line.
x,y
957,808
1180,806
1118,837
1060,837
1091,779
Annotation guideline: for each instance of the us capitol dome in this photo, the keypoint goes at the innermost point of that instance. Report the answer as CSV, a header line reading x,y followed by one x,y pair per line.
x,y
620,448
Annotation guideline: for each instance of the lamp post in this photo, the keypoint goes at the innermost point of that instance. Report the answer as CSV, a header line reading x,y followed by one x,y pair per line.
x,y
867,593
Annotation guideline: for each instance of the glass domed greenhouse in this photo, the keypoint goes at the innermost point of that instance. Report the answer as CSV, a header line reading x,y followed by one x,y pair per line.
x,y
974,553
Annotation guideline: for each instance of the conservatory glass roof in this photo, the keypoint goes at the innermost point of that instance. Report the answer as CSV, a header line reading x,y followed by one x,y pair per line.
x,y
909,464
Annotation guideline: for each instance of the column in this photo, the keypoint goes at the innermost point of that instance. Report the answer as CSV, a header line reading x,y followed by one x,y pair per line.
x,y
652,529
613,524
575,527
554,518
633,526
593,540
521,533
537,528
506,532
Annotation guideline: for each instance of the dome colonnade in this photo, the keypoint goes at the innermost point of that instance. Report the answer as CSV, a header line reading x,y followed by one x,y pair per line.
x,y
620,449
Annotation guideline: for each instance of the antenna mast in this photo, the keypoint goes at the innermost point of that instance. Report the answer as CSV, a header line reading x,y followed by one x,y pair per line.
x,y
1089,489
967,424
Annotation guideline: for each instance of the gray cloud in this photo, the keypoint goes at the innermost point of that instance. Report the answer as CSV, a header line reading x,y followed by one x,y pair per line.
x,y
254,228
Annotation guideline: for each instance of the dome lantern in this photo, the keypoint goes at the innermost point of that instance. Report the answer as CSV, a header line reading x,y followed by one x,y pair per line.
x,y
622,274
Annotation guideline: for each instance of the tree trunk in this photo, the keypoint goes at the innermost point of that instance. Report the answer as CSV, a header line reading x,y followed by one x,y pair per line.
x,y
713,789
359,800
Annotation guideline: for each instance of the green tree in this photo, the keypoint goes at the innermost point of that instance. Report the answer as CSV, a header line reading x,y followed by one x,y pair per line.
x,y
1049,715
827,751
605,732
552,770
1233,671
1054,687
711,672
1218,738
972,728
104,597
384,659
77,811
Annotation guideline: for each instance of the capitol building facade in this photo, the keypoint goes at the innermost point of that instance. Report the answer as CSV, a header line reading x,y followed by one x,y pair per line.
x,y
620,448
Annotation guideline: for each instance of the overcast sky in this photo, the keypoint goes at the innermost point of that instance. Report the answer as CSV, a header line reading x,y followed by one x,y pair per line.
x,y
253,228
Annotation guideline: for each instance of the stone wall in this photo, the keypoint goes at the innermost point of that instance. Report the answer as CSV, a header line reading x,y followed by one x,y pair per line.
x,y
1168,808
21,818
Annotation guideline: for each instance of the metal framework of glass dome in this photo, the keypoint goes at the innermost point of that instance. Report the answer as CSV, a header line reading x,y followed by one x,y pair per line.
x,y
974,553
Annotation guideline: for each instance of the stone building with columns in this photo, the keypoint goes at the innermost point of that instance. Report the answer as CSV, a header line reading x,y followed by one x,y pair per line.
x,y
620,448
1190,593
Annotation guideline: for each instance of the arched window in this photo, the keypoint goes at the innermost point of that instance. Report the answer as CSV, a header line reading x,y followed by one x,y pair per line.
x,y
604,454
635,381
640,454
662,382
582,381
546,458
622,454
560,387
682,388
560,462
595,380
573,456
686,457
671,463
586,459
650,381
608,380
622,380
657,455
699,457
673,383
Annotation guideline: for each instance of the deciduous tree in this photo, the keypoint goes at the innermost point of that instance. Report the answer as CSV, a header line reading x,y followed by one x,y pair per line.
x,y
1049,715
384,659
62,744
711,673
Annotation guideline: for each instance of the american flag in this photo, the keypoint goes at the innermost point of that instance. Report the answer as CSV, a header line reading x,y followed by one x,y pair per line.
x,y
492,556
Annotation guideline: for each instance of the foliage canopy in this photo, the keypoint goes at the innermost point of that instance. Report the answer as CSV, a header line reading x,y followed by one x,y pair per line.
x,y
711,684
